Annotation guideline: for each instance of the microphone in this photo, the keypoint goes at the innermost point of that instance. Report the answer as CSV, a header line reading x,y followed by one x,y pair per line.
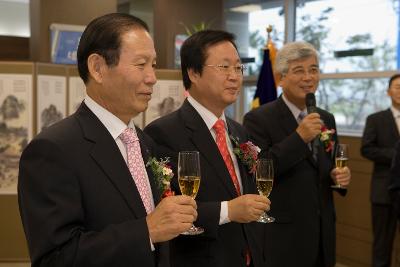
x,y
311,103
312,108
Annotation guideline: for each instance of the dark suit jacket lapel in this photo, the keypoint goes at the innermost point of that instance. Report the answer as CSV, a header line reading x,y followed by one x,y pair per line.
x,y
286,118
244,171
392,122
289,123
325,159
108,156
202,139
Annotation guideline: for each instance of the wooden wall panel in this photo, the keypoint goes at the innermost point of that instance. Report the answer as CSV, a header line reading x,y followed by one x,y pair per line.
x,y
168,16
14,48
13,245
74,12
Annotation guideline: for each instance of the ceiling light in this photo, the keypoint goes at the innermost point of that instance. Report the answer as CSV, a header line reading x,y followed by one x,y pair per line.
x,y
246,8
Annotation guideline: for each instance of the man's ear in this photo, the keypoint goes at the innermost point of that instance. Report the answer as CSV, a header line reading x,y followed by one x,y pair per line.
x,y
193,76
96,64
278,78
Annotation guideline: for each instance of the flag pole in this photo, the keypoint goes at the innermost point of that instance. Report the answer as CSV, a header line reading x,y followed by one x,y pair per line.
x,y
266,88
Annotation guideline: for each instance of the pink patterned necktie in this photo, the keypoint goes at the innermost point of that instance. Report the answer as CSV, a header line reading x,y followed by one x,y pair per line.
x,y
136,166
219,128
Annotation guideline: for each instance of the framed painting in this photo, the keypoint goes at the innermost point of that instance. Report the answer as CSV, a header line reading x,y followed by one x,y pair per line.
x,y
16,124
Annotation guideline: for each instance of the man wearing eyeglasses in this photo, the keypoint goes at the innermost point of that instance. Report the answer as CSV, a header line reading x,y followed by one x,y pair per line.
x,y
304,231
228,203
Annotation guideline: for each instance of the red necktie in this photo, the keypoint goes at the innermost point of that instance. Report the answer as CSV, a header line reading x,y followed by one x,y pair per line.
x,y
219,128
136,166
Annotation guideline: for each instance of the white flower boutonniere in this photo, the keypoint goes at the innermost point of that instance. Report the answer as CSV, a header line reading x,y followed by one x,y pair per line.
x,y
163,174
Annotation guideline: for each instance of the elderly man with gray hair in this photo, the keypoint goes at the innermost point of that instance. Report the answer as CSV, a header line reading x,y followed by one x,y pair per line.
x,y
304,231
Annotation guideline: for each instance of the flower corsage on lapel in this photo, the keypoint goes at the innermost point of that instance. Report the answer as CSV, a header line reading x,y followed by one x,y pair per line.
x,y
247,153
163,175
326,138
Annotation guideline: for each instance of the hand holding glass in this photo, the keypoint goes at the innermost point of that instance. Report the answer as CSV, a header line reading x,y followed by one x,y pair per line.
x,y
265,180
341,159
189,180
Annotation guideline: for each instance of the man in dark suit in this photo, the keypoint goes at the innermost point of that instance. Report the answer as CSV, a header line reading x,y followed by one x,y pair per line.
x,y
227,199
302,203
394,183
380,135
85,196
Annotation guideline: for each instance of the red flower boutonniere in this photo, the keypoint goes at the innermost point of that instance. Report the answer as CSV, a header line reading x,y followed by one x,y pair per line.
x,y
163,174
326,137
247,153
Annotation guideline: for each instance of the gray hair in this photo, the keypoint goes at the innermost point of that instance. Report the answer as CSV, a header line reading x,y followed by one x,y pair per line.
x,y
291,52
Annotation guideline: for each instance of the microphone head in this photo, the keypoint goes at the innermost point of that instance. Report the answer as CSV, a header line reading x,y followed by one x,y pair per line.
x,y
311,103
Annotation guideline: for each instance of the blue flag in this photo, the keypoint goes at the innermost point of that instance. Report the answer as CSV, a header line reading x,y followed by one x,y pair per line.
x,y
266,89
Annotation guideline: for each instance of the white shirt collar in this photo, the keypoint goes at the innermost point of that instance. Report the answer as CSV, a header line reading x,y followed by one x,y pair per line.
x,y
293,108
113,124
208,117
395,112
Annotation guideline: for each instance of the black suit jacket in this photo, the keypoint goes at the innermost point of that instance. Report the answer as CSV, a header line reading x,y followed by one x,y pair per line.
x,y
301,199
394,177
379,138
78,202
219,245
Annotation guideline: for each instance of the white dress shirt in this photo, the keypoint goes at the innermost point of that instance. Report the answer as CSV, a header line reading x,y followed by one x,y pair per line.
x,y
293,108
210,119
396,115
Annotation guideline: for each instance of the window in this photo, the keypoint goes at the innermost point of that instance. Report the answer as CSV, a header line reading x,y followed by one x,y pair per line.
x,y
351,100
248,20
357,42
352,35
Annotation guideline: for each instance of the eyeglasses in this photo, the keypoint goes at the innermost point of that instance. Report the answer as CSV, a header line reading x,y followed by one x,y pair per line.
x,y
227,69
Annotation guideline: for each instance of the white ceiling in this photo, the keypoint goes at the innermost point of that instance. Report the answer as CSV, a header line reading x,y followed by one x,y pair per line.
x,y
16,1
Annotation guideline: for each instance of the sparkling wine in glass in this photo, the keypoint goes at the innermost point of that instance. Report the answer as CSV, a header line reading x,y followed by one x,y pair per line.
x,y
189,180
265,181
341,159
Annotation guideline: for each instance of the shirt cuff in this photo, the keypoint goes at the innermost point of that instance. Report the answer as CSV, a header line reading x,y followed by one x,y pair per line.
x,y
223,215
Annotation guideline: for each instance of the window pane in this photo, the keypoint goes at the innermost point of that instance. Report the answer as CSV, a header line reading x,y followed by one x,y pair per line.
x,y
258,21
351,35
352,100
248,21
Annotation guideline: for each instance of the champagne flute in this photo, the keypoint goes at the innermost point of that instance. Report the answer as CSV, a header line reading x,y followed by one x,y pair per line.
x,y
341,159
189,180
264,181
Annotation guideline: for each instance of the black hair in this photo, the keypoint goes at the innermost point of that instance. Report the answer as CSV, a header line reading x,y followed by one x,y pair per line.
x,y
394,77
194,49
103,36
